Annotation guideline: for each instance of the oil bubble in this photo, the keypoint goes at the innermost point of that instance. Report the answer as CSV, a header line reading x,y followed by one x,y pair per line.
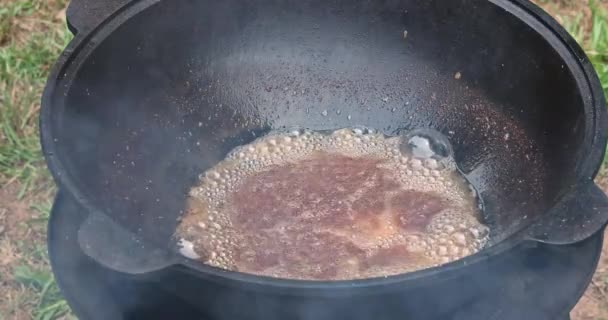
x,y
186,248
426,144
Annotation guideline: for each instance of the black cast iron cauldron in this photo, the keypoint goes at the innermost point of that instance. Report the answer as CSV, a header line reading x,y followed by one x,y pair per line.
x,y
151,93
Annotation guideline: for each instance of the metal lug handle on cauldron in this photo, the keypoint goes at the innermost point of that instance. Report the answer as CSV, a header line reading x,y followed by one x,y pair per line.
x,y
576,217
118,249
84,15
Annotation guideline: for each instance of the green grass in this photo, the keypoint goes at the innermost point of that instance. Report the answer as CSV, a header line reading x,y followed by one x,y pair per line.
x,y
24,66
49,304
31,39
595,42
597,47
45,299
41,296
11,10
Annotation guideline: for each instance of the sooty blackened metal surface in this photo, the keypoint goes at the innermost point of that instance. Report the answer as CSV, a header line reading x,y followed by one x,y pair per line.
x,y
98,293
83,15
510,288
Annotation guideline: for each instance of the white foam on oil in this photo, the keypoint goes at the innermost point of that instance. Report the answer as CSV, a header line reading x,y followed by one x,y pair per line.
x,y
187,249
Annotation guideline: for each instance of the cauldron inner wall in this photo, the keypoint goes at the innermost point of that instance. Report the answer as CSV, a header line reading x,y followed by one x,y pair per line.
x,y
162,98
